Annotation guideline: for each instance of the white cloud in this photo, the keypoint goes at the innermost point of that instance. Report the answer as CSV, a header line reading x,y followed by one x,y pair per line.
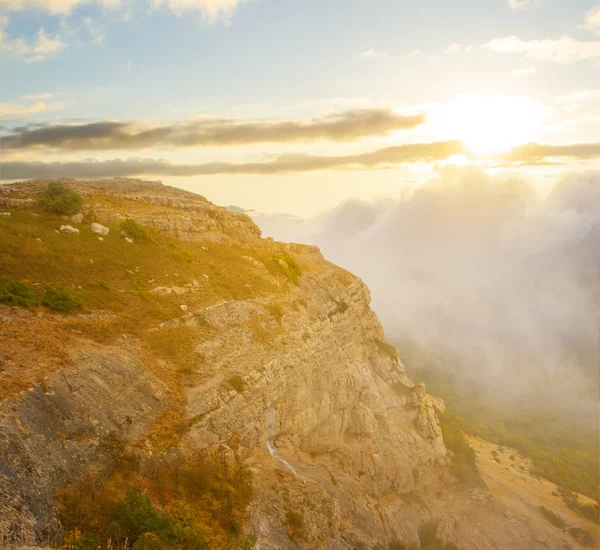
x,y
97,33
416,53
524,71
54,7
592,19
43,47
370,54
211,11
520,5
563,50
452,49
22,110
33,97
580,96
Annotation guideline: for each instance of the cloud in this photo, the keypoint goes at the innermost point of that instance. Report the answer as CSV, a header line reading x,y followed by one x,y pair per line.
x,y
287,163
54,7
211,11
580,96
521,5
97,34
524,71
212,132
538,152
370,54
592,19
483,272
452,49
43,47
563,50
11,110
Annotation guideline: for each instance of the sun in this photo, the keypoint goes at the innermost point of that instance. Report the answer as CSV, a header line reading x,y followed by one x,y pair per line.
x,y
489,125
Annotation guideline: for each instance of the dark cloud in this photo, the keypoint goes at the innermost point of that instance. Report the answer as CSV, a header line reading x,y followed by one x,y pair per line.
x,y
412,152
535,153
214,132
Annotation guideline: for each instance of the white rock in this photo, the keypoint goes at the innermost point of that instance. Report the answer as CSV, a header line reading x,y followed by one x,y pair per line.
x,y
205,276
100,239
77,218
99,229
129,239
69,229
38,239
5,214
183,307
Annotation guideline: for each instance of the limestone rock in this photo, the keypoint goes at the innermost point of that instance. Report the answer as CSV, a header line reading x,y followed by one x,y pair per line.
x,y
99,229
69,229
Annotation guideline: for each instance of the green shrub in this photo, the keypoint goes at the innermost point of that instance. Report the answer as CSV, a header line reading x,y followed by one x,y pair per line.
x,y
60,199
59,299
237,383
16,293
134,230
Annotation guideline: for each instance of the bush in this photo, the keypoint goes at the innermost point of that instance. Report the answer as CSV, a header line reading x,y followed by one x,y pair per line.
x,y
553,518
462,460
16,293
60,199
295,525
289,267
134,230
237,383
59,299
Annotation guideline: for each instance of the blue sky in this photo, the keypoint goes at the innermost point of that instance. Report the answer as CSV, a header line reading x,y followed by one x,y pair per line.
x,y
69,62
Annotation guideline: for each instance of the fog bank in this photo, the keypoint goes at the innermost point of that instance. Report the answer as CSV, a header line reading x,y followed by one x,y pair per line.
x,y
485,270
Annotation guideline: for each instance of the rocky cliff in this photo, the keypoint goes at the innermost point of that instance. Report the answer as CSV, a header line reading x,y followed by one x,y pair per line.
x,y
214,338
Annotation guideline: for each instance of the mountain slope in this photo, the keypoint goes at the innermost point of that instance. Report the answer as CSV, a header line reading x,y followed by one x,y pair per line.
x,y
198,337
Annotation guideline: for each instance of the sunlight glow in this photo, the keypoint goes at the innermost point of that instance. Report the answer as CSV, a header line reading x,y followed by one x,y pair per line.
x,y
489,124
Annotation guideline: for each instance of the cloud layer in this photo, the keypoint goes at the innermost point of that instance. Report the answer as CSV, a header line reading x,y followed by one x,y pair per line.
x,y
340,127
389,156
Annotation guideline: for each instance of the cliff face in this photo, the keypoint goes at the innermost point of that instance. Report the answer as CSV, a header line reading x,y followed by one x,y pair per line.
x,y
322,411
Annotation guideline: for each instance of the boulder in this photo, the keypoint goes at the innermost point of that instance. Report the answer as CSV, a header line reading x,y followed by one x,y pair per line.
x,y
5,214
77,218
99,229
69,229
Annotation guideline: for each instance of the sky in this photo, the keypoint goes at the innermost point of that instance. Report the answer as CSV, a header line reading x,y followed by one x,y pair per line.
x,y
287,106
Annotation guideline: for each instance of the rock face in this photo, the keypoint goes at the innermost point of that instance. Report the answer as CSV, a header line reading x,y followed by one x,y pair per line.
x,y
327,418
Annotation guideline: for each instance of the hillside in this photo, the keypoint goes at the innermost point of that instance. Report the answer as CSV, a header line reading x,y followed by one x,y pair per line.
x,y
180,382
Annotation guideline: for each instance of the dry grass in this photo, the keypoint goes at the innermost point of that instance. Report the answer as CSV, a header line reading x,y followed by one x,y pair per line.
x,y
114,280
509,479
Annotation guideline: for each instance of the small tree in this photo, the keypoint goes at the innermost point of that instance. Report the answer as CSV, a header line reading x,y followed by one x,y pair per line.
x,y
60,199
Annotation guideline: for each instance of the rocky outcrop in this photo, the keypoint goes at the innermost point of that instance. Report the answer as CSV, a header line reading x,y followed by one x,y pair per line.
x,y
64,427
326,417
